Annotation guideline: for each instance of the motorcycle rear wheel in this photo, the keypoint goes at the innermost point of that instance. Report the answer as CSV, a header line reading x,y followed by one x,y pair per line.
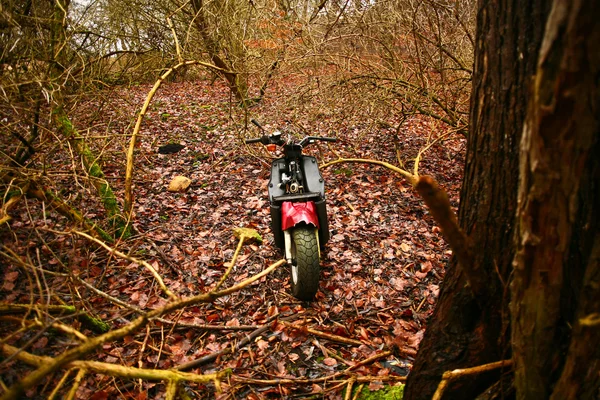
x,y
305,269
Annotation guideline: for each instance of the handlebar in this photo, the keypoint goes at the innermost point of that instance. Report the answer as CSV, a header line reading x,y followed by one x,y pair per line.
x,y
257,140
277,139
322,138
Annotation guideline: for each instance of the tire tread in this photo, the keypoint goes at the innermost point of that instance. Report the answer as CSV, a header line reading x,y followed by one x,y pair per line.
x,y
307,260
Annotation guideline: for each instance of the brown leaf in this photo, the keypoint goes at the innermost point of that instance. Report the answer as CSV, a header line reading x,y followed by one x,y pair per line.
x,y
11,276
41,343
262,344
330,361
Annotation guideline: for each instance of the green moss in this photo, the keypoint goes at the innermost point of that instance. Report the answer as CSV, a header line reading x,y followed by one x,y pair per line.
x,y
70,309
387,393
94,324
343,171
107,196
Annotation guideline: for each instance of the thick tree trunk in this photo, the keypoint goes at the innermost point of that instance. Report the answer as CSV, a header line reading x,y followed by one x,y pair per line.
x,y
465,331
556,284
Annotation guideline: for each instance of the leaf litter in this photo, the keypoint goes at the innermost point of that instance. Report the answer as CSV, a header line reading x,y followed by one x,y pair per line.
x,y
381,270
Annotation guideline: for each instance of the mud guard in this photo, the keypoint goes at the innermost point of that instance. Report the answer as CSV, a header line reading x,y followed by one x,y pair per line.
x,y
293,214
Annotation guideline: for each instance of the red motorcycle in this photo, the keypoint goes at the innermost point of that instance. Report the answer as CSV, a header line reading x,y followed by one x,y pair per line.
x,y
298,212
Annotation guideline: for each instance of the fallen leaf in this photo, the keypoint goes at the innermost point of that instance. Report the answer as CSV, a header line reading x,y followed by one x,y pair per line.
x,y
41,343
11,276
330,361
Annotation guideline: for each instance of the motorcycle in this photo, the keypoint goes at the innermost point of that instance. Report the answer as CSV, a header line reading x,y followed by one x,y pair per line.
x,y
298,212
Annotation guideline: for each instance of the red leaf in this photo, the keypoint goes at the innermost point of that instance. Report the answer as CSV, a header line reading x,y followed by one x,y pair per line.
x,y
212,317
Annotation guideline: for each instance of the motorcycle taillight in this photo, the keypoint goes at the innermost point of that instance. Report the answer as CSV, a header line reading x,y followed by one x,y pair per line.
x,y
271,147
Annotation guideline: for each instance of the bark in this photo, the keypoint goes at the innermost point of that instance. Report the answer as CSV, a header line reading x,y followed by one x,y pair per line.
x,y
556,279
466,331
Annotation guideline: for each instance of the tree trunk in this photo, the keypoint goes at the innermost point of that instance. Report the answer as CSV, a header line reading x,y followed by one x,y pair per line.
x,y
556,282
237,84
465,331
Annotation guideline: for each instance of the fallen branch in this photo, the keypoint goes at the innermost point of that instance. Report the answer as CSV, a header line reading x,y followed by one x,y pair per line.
x,y
407,175
178,324
147,265
116,370
324,335
439,207
331,378
450,376
335,378
242,234
31,380
227,350
95,324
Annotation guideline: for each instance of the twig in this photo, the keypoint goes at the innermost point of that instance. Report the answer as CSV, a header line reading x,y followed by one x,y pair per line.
x,y
331,378
92,344
335,378
450,376
232,263
177,47
227,350
80,374
407,175
164,321
118,370
324,335
132,259
349,388
360,388
54,394
143,349
171,390
424,149
11,203
370,360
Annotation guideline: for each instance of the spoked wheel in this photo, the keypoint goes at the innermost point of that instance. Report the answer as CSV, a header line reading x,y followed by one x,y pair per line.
x,y
305,262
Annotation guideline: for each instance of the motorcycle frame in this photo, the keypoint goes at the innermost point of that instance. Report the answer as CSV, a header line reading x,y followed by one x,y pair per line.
x,y
289,210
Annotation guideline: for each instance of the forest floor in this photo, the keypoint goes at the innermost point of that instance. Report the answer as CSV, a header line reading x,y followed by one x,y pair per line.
x,y
381,270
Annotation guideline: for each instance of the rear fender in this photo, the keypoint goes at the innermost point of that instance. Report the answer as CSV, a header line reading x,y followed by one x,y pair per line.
x,y
293,214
